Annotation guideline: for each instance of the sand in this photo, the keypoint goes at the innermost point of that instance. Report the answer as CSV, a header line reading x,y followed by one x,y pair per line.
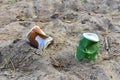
x,y
65,21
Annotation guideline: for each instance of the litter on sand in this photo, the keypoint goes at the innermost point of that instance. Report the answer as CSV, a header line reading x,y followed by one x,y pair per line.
x,y
38,38
88,47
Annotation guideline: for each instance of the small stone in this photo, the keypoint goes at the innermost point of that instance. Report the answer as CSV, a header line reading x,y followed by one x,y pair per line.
x,y
6,73
54,16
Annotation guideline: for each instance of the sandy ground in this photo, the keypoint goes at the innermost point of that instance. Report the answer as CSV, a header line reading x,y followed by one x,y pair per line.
x,y
65,21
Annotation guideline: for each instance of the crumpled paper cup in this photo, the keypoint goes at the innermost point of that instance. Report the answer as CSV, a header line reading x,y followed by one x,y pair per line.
x,y
88,47
42,39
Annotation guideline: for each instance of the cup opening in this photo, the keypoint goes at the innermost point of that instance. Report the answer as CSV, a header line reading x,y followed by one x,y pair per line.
x,y
91,36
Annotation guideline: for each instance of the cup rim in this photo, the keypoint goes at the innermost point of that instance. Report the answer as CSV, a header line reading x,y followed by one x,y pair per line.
x,y
91,36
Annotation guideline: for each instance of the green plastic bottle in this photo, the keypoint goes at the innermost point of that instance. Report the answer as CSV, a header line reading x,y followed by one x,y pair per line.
x,y
88,47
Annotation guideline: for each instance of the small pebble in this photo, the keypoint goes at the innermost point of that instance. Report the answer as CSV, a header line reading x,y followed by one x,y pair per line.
x,y
54,16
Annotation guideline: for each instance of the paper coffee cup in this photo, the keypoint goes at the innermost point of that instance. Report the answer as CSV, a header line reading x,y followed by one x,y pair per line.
x,y
88,47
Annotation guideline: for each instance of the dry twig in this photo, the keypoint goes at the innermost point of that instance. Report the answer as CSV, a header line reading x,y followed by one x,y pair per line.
x,y
6,62
13,67
106,43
